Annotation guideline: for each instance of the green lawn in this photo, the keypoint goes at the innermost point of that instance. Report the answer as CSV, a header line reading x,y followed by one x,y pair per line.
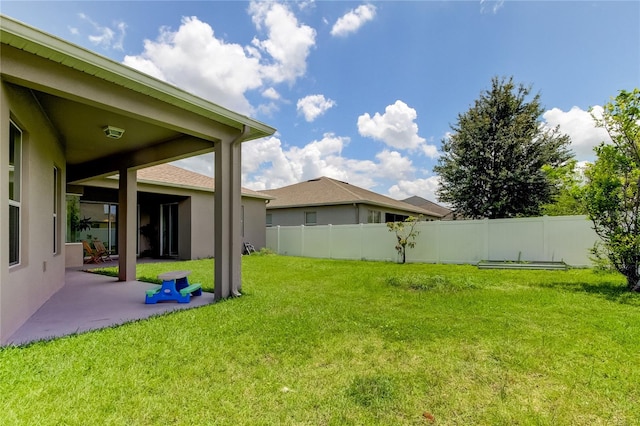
x,y
315,342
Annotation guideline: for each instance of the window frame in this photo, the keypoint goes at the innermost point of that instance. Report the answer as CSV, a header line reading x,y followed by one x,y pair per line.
x,y
306,218
56,209
372,215
15,196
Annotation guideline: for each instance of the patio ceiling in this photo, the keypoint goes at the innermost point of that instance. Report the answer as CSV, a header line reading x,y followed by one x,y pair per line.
x,y
80,126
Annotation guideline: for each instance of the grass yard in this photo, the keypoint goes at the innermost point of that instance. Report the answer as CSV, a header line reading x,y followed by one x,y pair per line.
x,y
324,342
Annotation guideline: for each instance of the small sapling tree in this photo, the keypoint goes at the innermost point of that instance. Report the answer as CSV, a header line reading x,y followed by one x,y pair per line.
x,y
406,234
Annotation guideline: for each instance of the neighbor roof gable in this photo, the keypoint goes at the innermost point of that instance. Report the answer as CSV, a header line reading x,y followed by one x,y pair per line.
x,y
428,205
326,191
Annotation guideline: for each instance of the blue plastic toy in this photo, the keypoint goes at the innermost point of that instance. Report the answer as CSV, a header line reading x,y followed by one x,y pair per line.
x,y
175,287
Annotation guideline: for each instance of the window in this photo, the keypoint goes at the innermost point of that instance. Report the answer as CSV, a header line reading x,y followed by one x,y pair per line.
x,y
73,218
56,195
15,163
269,219
310,218
374,216
393,217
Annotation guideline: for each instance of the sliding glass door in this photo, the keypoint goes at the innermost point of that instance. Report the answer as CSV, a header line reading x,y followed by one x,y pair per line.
x,y
169,230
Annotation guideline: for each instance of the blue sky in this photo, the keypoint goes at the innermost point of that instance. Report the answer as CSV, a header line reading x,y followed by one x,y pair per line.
x,y
363,92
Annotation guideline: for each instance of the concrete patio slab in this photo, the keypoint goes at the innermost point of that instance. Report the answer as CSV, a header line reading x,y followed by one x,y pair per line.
x,y
90,301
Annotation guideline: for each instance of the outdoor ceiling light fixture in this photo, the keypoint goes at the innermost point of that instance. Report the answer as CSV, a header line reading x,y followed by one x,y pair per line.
x,y
113,132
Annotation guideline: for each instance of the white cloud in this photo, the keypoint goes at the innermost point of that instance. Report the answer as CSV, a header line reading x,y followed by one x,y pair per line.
x,y
579,125
222,72
396,128
353,20
268,109
306,4
313,106
392,165
267,164
271,93
106,37
319,158
202,164
425,188
194,59
147,66
430,151
492,6
288,42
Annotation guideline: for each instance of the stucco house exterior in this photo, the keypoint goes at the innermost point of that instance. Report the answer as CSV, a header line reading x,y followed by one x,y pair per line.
x,y
175,211
325,201
68,115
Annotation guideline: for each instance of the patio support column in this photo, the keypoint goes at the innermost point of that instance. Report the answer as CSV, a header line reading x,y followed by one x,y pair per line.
x,y
127,218
227,214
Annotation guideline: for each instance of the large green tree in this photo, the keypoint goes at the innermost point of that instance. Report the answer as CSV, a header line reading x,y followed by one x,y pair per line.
x,y
497,160
612,193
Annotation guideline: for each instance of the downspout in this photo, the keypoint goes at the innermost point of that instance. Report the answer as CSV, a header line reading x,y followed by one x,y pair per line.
x,y
245,131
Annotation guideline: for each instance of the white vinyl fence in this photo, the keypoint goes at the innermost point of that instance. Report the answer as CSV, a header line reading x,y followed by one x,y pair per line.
x,y
559,238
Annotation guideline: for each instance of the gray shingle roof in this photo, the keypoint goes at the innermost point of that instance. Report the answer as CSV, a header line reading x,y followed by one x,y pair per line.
x,y
325,191
428,205
178,177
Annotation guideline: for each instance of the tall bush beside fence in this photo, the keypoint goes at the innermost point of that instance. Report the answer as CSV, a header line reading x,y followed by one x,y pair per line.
x,y
566,238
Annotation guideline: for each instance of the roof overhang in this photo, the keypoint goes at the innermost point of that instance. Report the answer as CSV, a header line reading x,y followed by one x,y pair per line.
x,y
80,92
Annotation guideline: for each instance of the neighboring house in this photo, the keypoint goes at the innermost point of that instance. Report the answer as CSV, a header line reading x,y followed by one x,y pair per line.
x,y
447,214
175,211
67,116
325,201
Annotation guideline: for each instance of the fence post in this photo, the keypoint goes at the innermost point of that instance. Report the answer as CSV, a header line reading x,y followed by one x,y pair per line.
x,y
438,242
278,240
330,241
361,233
302,240
486,239
545,238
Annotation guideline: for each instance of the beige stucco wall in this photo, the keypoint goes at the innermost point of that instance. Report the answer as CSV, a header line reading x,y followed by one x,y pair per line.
x,y
74,255
185,248
26,286
254,222
202,227
202,236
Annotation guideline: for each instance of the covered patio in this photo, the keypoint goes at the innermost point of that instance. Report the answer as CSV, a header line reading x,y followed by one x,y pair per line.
x,y
70,116
89,301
